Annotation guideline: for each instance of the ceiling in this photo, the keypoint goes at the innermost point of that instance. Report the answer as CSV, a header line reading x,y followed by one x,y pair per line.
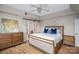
x,y
52,8
55,10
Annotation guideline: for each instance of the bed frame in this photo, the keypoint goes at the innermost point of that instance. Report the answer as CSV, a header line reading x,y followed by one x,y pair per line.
x,y
58,45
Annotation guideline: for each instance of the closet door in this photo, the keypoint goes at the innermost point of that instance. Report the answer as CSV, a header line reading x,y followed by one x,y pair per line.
x,y
77,32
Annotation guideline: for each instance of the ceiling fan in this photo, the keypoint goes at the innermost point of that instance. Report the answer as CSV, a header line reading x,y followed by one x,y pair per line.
x,y
40,7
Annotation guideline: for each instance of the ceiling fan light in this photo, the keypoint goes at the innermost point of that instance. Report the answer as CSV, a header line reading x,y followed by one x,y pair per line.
x,y
25,13
39,10
40,7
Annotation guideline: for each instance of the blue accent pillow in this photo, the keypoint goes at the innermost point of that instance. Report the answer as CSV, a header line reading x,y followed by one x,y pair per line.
x,y
53,31
45,30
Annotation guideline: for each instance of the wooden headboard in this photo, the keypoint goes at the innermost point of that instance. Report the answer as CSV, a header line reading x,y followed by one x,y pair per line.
x,y
61,28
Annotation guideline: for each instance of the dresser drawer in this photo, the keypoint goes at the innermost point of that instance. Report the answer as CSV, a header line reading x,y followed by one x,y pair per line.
x,y
17,34
5,38
17,38
5,45
16,42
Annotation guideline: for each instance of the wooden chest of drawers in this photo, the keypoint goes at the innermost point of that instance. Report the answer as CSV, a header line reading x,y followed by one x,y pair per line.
x,y
10,39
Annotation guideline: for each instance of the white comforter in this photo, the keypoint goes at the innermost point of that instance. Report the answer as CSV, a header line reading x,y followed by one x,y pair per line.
x,y
54,37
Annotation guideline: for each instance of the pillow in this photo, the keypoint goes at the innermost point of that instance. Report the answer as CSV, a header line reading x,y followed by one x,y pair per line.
x,y
58,31
45,30
53,31
49,31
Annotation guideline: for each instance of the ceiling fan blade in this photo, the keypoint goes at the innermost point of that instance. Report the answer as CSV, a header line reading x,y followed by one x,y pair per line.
x,y
46,10
40,5
33,10
43,5
34,6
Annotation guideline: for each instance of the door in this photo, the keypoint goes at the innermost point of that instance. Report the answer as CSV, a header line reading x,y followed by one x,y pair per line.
x,y
77,32
27,30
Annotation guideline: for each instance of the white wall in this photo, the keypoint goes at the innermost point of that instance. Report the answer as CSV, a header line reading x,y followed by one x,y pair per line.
x,y
67,21
22,23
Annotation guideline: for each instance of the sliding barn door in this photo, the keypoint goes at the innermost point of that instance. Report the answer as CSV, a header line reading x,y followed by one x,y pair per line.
x,y
77,32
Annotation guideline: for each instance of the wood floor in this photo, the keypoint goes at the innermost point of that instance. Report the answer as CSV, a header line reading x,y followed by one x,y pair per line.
x,y
25,48
65,49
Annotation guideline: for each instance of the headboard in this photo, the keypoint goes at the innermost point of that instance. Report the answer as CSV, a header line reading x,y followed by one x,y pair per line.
x,y
61,28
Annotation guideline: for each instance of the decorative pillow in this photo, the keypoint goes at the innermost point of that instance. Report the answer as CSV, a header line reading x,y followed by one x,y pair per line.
x,y
49,31
45,30
58,31
53,31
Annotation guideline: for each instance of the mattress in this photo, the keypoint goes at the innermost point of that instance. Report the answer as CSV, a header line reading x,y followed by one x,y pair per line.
x,y
52,37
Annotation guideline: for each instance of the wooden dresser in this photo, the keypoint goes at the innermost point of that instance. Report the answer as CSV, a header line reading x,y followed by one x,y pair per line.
x,y
10,39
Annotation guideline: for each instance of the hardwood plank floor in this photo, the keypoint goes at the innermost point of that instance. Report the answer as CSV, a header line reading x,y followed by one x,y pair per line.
x,y
25,48
65,49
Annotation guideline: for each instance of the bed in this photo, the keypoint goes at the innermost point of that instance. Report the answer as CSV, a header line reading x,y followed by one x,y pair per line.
x,y
46,42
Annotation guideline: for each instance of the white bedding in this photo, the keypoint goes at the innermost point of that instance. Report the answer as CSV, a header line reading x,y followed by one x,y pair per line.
x,y
45,46
54,37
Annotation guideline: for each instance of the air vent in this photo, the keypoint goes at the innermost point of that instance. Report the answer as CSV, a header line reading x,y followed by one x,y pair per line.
x,y
31,19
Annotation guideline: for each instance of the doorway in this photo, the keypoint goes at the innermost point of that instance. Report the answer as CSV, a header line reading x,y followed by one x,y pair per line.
x,y
77,32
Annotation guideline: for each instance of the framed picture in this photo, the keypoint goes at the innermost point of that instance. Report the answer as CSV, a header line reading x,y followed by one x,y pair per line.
x,y
9,25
